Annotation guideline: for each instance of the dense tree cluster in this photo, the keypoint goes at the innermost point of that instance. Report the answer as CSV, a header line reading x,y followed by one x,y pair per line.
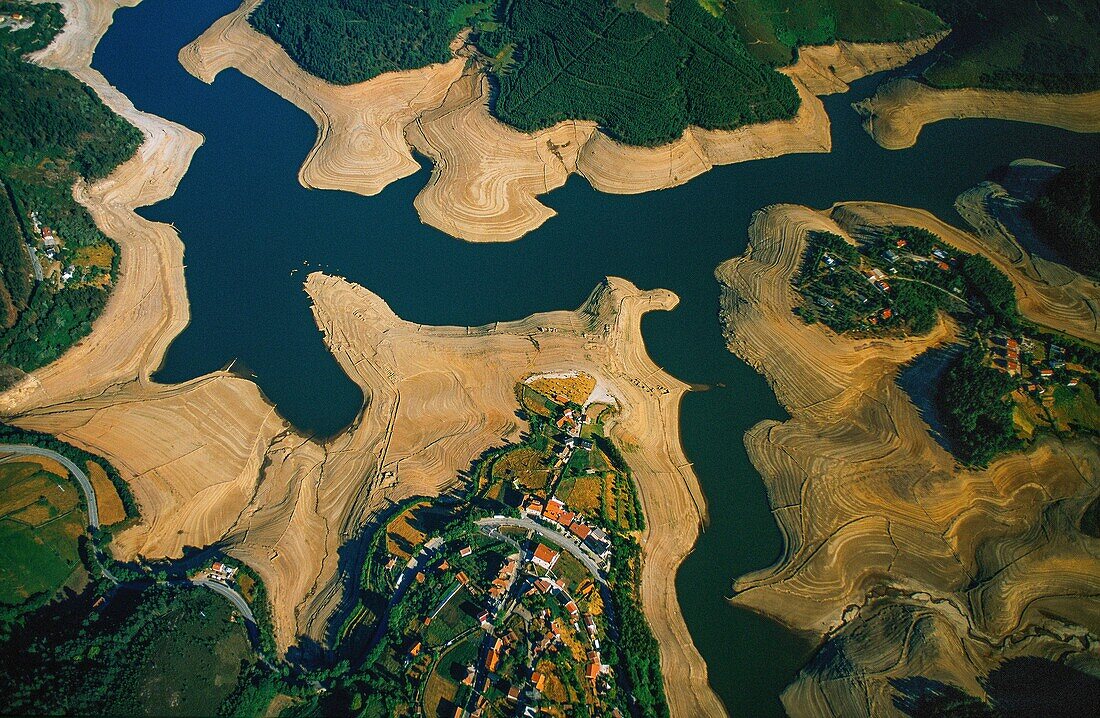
x,y
992,288
96,666
642,79
1018,45
1067,216
972,397
348,41
15,263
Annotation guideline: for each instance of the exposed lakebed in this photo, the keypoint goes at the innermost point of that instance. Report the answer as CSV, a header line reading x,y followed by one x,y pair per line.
x,y
252,232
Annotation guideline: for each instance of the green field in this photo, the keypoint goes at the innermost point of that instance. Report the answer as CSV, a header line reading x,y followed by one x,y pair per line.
x,y
40,522
774,29
194,663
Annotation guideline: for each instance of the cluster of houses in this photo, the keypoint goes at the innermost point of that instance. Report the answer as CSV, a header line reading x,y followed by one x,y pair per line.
x,y
558,515
877,278
524,690
15,21
1005,353
51,245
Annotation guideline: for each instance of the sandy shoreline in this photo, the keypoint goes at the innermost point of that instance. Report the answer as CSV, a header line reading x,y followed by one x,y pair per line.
x,y
896,113
910,564
487,176
210,459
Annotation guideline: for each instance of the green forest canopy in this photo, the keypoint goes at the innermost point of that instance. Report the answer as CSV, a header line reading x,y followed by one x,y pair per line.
x,y
1028,45
1067,216
643,79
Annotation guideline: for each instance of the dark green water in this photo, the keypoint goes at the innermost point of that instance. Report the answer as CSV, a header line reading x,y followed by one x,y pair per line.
x,y
246,223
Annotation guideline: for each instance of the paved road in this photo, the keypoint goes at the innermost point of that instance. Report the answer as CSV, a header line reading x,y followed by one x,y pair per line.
x,y
77,473
558,539
235,598
93,520
36,264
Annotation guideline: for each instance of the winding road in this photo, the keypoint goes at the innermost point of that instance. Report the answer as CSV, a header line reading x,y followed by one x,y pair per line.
x,y
93,521
74,470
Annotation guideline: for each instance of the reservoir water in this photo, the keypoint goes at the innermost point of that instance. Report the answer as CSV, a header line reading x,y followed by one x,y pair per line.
x,y
247,225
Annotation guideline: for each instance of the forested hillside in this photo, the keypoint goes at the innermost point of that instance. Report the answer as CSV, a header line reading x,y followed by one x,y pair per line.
x,y
642,81
1029,45
1067,216
55,131
643,70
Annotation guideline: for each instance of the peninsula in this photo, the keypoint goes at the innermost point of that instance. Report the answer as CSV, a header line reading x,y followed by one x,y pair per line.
x,y
910,565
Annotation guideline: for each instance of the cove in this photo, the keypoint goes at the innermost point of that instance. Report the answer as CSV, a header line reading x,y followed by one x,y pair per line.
x,y
252,232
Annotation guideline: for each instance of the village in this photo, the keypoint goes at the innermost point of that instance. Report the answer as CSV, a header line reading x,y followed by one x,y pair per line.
x,y
509,609
1053,392
893,283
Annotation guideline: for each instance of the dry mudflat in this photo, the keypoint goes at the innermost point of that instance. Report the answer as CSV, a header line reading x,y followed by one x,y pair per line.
x,y
910,564
487,176
898,111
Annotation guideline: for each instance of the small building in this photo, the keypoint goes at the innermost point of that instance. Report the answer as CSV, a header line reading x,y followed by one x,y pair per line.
x,y
580,530
465,551
544,556
554,507
1046,373
539,680
492,660
513,694
887,313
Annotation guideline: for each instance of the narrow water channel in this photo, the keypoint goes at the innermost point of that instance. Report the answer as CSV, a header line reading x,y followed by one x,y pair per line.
x,y
252,232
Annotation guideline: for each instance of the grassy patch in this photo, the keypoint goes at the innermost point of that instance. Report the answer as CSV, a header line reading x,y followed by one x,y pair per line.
x,y
38,532
525,466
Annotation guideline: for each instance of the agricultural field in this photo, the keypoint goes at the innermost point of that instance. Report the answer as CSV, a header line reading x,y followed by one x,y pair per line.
x,y
41,519
565,389
584,494
524,466
111,509
407,531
